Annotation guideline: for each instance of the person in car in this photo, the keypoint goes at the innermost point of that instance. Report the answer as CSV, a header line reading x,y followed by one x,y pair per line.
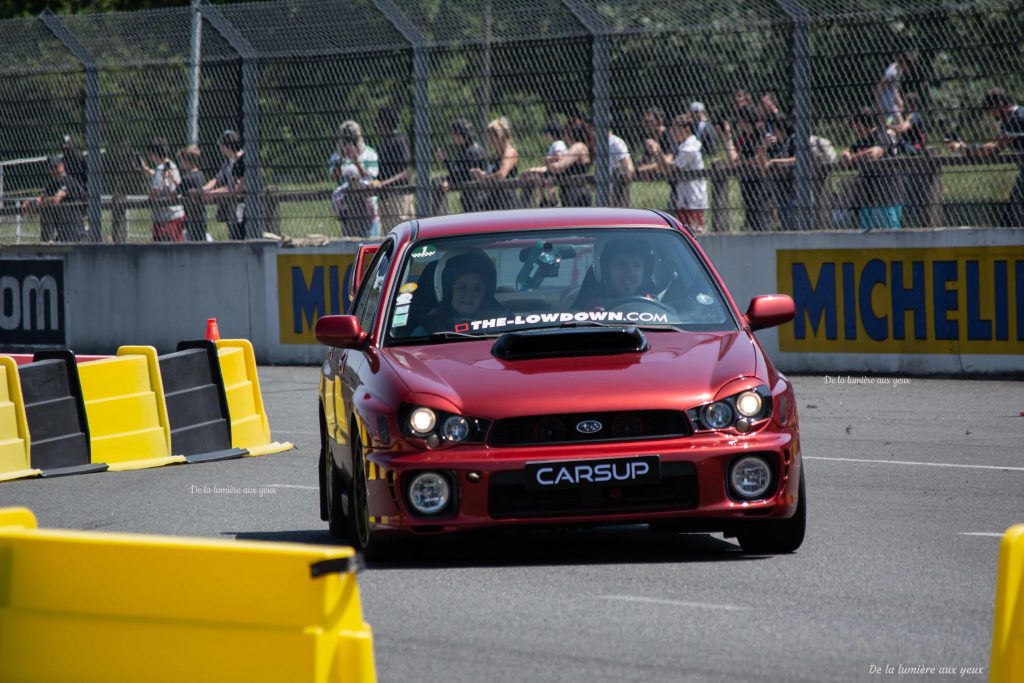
x,y
464,284
624,269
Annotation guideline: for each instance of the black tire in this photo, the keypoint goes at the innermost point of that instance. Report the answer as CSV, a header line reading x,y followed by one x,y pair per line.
x,y
337,520
777,536
358,522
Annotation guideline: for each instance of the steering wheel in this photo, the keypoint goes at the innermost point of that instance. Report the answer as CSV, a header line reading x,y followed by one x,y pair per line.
x,y
631,303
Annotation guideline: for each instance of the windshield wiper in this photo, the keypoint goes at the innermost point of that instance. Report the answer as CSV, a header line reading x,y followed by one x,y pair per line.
x,y
437,337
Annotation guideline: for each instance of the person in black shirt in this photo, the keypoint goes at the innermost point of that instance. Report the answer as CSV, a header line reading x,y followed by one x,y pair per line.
x,y
910,132
60,206
227,189
748,155
1000,106
394,158
655,131
881,188
469,154
780,151
190,190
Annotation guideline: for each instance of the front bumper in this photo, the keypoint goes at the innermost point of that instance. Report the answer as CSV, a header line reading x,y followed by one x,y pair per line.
x,y
487,488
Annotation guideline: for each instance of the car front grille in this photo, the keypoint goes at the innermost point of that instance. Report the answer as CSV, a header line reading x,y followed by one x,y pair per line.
x,y
635,425
509,497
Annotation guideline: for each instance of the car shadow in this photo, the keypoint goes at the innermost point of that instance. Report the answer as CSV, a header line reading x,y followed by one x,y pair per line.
x,y
543,547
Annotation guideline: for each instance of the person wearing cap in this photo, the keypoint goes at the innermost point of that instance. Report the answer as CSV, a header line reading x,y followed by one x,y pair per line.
x,y
164,202
703,130
355,165
59,205
1000,106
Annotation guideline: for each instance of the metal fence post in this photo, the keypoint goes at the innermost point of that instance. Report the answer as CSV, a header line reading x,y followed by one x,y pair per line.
x,y
250,118
92,120
420,100
195,56
600,69
803,192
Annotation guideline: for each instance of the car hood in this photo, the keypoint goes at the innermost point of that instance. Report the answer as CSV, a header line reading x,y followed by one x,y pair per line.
x,y
680,370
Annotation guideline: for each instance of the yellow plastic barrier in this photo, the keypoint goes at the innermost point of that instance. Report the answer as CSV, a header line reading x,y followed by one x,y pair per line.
x,y
15,446
127,414
84,607
1007,665
249,426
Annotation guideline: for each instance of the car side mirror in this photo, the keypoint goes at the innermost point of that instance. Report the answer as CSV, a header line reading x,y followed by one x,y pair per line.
x,y
770,310
340,331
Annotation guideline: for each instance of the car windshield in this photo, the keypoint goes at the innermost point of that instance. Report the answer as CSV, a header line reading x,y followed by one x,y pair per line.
x,y
454,288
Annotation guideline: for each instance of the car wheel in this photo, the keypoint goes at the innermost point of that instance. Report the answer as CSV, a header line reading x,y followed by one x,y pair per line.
x,y
358,529
777,536
337,520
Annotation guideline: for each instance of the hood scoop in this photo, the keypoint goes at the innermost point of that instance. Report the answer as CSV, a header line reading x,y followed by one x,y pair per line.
x,y
562,342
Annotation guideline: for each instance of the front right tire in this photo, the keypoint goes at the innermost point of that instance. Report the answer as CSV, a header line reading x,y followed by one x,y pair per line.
x,y
777,536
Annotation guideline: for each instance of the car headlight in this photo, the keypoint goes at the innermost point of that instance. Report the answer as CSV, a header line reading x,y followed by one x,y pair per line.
x,y
436,428
718,415
748,404
750,477
455,428
739,411
429,493
422,421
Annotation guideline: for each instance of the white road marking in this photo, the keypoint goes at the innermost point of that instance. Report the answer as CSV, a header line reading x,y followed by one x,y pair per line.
x,y
980,533
293,486
922,464
285,431
673,603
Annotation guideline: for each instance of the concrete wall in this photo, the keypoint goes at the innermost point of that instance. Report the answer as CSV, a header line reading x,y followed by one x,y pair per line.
x,y
161,294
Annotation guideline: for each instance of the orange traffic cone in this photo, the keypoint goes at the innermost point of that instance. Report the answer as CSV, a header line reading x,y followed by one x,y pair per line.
x,y
212,331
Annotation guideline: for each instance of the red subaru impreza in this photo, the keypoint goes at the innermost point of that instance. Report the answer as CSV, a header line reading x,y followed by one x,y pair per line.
x,y
562,366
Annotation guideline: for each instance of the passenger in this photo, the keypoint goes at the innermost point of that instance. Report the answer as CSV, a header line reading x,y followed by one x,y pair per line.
x,y
464,284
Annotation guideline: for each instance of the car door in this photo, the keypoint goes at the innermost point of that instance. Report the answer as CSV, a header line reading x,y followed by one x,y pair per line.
x,y
349,369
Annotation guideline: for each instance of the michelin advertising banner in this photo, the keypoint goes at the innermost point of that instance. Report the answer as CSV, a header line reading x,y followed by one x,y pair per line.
x,y
955,300
310,286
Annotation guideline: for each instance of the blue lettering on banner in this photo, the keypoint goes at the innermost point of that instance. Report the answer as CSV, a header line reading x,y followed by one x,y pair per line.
x,y
308,301
815,301
944,300
948,300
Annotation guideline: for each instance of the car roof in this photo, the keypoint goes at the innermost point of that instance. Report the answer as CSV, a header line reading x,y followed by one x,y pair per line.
x,y
538,219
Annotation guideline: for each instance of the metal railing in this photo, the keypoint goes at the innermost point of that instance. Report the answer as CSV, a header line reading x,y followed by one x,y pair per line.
x,y
780,81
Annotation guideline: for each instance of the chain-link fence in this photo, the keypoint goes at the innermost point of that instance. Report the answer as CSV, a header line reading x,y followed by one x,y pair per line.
x,y
349,117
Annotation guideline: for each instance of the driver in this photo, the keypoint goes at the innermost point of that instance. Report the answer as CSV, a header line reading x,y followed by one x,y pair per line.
x,y
623,270
464,284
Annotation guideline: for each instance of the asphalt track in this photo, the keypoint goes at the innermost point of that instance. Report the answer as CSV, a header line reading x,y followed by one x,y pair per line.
x,y
909,487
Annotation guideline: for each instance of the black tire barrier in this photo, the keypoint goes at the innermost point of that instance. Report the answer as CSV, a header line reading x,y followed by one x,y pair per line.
x,y
55,412
197,407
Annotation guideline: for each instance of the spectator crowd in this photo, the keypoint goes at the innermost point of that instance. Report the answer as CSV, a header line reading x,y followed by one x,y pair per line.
x,y
755,142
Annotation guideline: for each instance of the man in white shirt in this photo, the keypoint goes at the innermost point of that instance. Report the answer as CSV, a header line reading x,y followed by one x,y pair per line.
x,y
621,170
689,194
890,99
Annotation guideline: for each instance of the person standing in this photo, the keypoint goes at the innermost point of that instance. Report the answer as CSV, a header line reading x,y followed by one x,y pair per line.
x,y
703,130
227,188
689,195
620,169
1000,106
571,168
59,205
747,155
190,191
881,188
654,130
395,161
355,165
502,166
887,92
164,178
